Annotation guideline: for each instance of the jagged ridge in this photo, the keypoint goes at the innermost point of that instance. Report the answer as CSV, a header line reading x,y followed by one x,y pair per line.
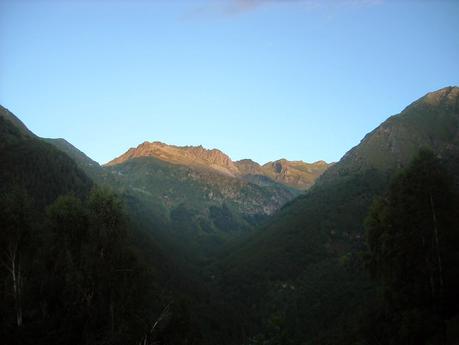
x,y
294,174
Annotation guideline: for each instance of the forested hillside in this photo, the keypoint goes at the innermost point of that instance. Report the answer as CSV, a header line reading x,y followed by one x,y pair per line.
x,y
205,199
76,268
303,275
148,251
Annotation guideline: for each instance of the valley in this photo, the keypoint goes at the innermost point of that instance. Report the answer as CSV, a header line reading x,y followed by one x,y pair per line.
x,y
217,251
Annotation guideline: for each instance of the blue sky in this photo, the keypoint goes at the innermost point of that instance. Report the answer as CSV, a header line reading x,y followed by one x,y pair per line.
x,y
260,79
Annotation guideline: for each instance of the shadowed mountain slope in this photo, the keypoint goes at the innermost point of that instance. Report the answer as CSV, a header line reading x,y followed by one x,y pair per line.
x,y
312,244
33,165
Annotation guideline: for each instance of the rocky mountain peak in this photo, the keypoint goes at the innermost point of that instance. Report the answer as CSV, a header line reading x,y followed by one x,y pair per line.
x,y
183,155
295,174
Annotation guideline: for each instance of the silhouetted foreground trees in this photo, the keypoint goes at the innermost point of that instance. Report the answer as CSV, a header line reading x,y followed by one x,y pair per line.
x,y
413,239
70,276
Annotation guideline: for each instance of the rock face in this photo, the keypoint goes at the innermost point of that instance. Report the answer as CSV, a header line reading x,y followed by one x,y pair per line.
x,y
204,205
204,193
196,156
294,174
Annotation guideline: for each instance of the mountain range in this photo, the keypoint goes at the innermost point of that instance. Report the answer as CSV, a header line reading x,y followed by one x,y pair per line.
x,y
205,192
295,174
279,248
192,192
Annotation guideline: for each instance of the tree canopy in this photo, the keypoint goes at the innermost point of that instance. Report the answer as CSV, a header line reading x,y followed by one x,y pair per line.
x,y
413,242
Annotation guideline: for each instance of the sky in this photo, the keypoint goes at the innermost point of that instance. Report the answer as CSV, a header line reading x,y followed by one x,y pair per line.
x,y
260,79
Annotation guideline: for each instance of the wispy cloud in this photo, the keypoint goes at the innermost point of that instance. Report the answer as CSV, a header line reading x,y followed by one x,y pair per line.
x,y
240,6
236,7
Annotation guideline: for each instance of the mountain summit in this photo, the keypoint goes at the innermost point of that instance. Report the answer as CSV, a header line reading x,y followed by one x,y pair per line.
x,y
206,195
183,155
314,244
293,174
431,122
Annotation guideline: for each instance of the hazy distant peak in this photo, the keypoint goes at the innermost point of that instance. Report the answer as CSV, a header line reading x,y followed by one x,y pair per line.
x,y
247,161
321,162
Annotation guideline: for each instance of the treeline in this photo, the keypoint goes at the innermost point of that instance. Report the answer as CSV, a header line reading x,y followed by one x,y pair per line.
x,y
79,266
396,284
73,276
413,252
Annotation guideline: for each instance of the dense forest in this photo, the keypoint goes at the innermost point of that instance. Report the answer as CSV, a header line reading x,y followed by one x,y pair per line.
x,y
368,255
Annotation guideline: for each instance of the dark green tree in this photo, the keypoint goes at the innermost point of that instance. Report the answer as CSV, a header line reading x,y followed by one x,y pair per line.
x,y
68,221
15,244
413,243
108,259
63,295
